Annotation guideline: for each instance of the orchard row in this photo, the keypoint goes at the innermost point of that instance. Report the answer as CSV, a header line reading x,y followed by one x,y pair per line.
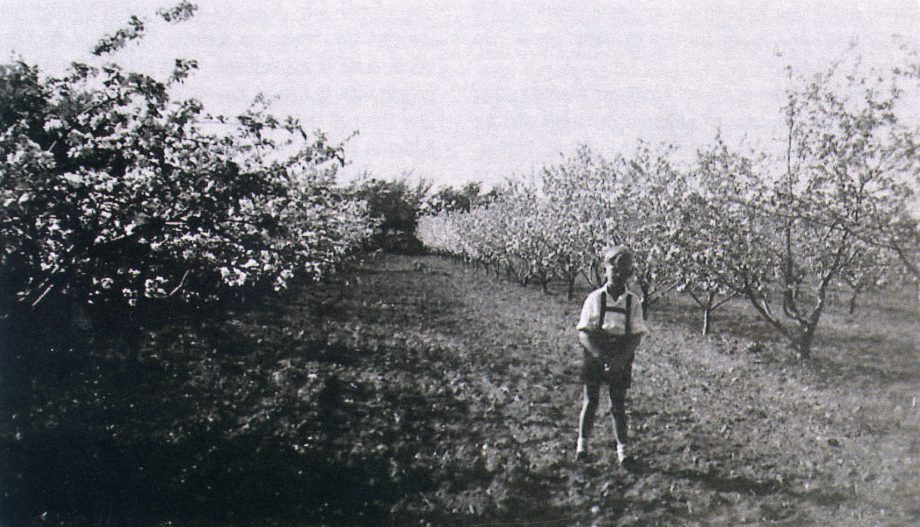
x,y
781,231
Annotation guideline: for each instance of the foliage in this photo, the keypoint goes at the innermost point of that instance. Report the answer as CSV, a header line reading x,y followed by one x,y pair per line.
x,y
649,219
580,200
787,241
555,226
901,235
778,231
844,155
870,268
719,231
463,198
395,205
114,193
137,28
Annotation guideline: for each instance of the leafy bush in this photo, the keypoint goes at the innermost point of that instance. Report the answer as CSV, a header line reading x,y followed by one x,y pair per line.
x,y
395,205
114,193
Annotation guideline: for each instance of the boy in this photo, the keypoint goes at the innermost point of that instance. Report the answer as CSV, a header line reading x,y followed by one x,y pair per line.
x,y
609,330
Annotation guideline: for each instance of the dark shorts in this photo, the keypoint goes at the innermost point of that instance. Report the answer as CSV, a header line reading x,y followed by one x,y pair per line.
x,y
617,376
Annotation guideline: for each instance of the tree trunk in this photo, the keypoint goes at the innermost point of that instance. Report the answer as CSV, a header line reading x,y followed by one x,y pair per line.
x,y
804,342
707,312
852,302
599,277
806,336
645,300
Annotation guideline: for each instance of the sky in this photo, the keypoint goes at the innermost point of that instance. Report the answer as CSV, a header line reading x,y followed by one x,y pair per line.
x,y
477,90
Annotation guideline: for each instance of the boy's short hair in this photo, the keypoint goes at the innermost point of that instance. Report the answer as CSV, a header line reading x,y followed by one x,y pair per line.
x,y
612,253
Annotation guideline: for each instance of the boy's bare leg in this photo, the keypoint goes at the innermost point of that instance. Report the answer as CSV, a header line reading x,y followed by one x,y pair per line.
x,y
620,424
586,418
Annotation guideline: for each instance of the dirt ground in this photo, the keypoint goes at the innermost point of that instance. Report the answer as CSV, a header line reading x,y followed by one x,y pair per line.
x,y
726,429
419,391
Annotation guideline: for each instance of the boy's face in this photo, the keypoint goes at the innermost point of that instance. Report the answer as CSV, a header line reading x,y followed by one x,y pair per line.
x,y
619,269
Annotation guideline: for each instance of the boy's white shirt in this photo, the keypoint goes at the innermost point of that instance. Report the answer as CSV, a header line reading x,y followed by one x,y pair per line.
x,y
614,323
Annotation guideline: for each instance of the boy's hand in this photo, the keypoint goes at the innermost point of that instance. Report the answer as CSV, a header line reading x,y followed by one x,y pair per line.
x,y
591,344
627,343
604,344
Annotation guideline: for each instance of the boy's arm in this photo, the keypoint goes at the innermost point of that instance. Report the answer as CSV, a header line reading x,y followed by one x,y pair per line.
x,y
588,324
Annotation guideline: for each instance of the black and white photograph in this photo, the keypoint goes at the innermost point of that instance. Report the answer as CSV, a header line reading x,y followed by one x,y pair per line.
x,y
459,263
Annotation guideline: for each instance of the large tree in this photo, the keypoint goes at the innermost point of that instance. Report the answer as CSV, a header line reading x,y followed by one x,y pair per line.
x,y
842,176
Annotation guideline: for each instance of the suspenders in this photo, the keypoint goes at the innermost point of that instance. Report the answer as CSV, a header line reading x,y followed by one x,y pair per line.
x,y
627,312
627,326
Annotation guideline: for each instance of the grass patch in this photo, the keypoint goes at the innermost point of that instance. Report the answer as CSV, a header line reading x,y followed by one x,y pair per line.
x,y
415,390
